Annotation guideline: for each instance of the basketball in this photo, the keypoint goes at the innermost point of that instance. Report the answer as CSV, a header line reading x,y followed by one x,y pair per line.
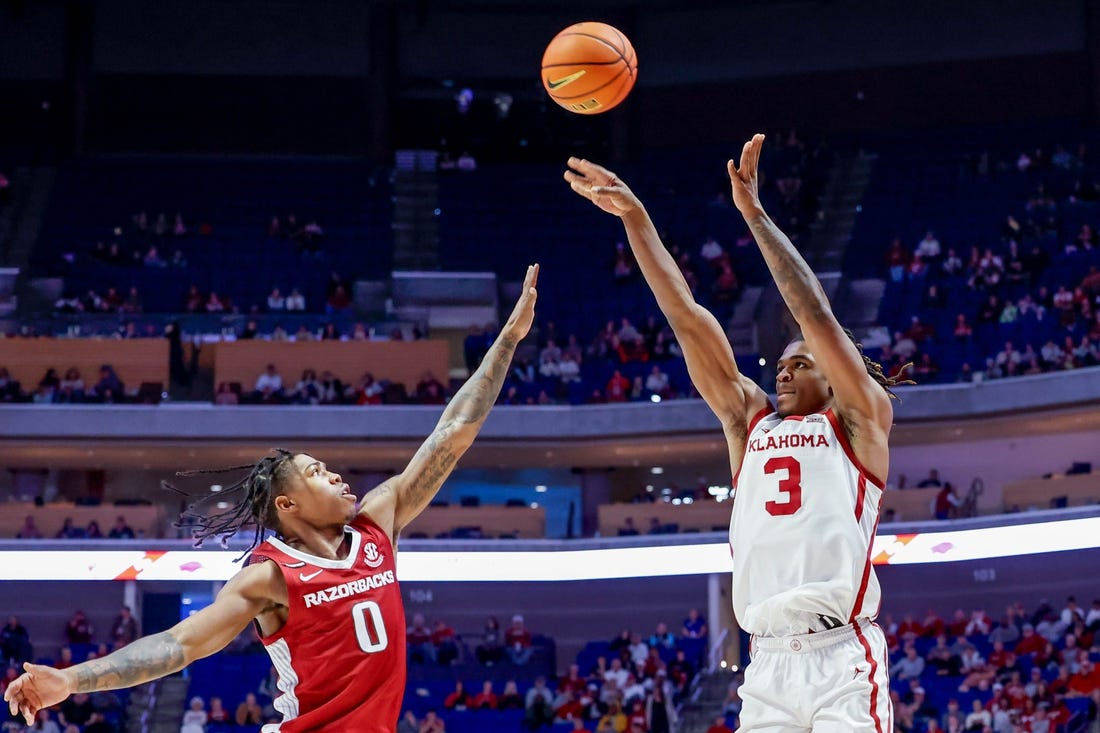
x,y
589,68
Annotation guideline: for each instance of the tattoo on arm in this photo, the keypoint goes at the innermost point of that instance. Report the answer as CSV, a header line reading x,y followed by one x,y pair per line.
x,y
472,403
459,423
146,659
797,283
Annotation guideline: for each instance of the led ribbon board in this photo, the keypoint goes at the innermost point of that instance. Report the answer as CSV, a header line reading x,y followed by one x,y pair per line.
x,y
564,565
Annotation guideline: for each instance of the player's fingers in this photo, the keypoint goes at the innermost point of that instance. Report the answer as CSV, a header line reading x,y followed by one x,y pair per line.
x,y
757,146
744,156
731,168
591,170
582,187
534,275
28,712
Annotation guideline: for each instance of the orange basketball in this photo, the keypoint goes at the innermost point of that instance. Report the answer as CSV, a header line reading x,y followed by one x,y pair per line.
x,y
589,68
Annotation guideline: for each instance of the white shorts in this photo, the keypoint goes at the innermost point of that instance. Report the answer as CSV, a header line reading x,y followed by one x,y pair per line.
x,y
833,681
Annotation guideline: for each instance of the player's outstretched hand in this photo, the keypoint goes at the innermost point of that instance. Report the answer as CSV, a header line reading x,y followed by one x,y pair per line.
x,y
744,177
519,323
38,687
601,187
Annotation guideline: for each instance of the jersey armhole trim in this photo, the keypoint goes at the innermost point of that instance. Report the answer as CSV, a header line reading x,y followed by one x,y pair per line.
x,y
842,437
760,415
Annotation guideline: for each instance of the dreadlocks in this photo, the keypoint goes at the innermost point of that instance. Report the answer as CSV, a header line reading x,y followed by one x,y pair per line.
x,y
875,369
256,506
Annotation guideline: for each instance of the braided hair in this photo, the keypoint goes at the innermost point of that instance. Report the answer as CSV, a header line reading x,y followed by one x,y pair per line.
x,y
255,502
876,372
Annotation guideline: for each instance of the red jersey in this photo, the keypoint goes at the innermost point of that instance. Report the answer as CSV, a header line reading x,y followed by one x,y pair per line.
x,y
341,655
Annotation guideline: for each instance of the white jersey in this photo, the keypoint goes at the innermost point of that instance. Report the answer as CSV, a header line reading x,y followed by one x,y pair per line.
x,y
804,517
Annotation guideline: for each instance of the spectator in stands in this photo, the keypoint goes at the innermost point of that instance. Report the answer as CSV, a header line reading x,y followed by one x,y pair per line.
x,y
10,389
491,649
897,260
430,391
78,629
711,251
538,708
98,724
71,388
613,721
109,388
408,723
908,667
76,710
517,639
308,390
623,265
419,640
662,637
616,674
121,530
445,642
249,712
486,699
43,723
633,691
510,699
93,532
218,713
276,301
339,301
947,503
29,530
695,626
638,649
566,706
15,643
194,720
432,723
125,629
225,395
269,385
660,713
719,726
942,659
628,529
657,383
618,387
459,699
295,301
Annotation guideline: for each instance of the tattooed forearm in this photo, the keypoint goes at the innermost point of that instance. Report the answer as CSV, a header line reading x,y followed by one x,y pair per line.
x,y
457,427
796,281
146,659
471,404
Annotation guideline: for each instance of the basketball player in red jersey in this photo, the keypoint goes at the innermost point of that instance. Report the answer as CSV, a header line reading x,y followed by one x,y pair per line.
x,y
322,591
808,478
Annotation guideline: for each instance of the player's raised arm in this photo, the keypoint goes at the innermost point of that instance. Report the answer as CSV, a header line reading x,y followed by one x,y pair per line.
x,y
708,353
857,395
398,500
247,595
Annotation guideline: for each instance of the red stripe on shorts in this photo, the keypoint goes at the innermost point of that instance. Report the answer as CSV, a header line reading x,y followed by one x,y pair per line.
x,y
872,676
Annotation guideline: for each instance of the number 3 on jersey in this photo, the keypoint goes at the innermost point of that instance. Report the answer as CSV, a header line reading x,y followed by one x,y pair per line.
x,y
369,629
791,485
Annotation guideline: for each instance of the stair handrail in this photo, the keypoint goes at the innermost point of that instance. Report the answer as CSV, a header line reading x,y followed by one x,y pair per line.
x,y
714,657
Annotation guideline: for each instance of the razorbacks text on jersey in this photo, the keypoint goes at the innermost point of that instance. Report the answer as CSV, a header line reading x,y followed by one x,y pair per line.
x,y
804,516
340,656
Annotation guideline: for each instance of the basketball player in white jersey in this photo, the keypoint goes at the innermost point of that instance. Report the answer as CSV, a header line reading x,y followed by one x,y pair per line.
x,y
808,478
